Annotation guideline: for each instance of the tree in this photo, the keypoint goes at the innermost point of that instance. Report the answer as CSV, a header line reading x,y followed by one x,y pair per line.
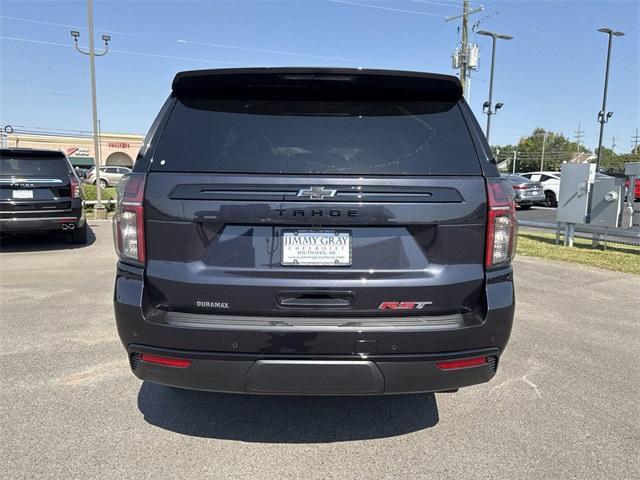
x,y
557,149
614,162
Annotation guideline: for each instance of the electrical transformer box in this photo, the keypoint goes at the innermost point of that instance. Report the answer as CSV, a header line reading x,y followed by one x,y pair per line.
x,y
575,183
608,195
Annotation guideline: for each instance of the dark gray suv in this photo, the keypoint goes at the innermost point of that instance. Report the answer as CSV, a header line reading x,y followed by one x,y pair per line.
x,y
315,231
40,192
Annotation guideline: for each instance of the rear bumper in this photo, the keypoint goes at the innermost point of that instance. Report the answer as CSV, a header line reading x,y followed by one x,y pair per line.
x,y
270,375
42,221
283,359
529,199
40,224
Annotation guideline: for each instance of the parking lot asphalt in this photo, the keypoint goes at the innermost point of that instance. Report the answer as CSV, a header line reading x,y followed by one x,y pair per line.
x,y
538,214
564,404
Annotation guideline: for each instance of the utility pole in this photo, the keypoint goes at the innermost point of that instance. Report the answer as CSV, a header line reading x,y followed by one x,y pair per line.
x,y
578,136
465,44
99,210
544,145
613,144
513,166
461,58
634,142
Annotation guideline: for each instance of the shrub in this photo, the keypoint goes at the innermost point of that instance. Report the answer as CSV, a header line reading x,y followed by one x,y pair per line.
x,y
107,194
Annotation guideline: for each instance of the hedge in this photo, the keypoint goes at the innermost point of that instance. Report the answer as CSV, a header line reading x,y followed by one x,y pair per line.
x,y
107,194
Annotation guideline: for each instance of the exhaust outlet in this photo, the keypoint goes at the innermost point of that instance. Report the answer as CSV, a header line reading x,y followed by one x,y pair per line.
x,y
65,226
72,226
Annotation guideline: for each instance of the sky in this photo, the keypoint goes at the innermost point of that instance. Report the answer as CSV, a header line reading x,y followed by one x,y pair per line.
x,y
550,75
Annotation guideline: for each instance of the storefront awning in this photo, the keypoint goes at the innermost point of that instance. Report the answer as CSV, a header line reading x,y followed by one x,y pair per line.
x,y
81,161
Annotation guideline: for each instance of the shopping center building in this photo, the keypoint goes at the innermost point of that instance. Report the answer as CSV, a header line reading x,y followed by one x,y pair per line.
x,y
115,149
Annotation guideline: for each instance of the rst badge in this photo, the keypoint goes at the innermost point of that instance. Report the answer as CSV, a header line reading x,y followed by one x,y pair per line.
x,y
403,305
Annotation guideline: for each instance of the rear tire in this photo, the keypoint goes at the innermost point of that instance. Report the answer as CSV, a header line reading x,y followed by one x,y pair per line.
x,y
79,235
550,199
103,183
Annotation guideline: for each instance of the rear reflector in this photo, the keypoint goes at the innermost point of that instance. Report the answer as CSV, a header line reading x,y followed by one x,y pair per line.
x,y
464,363
167,361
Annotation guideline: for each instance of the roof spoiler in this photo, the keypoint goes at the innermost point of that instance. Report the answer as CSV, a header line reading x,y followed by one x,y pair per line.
x,y
30,152
334,83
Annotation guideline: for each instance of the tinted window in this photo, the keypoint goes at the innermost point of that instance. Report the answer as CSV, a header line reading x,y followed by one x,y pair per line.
x,y
33,165
317,137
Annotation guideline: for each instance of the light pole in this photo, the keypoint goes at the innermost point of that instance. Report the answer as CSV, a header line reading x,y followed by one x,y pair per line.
x,y
603,115
487,107
99,211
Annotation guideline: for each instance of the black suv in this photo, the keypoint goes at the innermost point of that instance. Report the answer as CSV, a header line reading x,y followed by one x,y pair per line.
x,y
315,231
40,192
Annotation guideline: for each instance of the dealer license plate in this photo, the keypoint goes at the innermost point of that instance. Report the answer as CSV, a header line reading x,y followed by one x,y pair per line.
x,y
316,248
23,194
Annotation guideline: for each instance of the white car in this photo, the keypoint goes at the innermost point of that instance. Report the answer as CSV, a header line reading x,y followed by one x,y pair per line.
x,y
551,184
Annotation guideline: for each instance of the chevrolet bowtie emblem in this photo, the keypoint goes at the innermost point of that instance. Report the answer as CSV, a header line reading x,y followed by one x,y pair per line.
x,y
317,193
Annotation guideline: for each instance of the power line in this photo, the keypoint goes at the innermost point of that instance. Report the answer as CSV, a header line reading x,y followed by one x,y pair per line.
x,y
427,2
124,52
591,12
391,9
272,52
199,43
539,31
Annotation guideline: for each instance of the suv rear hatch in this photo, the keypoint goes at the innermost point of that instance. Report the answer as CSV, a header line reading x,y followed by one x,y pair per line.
x,y
33,183
286,194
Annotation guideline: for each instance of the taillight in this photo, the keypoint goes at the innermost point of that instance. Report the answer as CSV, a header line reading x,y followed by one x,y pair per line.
x,y
520,187
502,226
75,187
128,222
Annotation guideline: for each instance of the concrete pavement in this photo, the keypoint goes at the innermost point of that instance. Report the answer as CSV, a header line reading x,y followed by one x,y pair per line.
x,y
564,404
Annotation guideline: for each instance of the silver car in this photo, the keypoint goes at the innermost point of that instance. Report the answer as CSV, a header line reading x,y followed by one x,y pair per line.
x,y
109,176
525,191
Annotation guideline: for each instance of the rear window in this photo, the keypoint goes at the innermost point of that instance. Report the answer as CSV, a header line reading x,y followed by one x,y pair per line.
x,y
21,165
317,137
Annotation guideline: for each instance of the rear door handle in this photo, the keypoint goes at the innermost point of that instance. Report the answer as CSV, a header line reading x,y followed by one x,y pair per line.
x,y
314,298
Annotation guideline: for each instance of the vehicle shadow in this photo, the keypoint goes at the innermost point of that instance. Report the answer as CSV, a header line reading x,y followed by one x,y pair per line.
x,y
38,242
285,419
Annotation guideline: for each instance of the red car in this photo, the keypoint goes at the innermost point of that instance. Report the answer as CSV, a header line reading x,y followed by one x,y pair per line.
x,y
637,189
